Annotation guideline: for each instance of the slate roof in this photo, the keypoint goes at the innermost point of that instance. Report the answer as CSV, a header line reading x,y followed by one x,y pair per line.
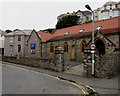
x,y
110,2
87,13
2,32
19,32
61,16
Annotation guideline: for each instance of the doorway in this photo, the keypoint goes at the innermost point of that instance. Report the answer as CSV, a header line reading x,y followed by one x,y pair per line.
x,y
100,47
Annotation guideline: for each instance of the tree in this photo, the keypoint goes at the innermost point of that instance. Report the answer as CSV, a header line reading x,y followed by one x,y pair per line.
x,y
67,21
8,31
49,30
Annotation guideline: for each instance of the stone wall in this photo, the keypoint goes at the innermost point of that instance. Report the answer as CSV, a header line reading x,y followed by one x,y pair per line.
x,y
67,55
105,66
33,39
79,56
49,64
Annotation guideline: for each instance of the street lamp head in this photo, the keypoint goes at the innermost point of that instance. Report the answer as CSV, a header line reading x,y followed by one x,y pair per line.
x,y
88,7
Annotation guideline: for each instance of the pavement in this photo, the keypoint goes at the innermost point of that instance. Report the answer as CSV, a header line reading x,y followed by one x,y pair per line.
x,y
102,86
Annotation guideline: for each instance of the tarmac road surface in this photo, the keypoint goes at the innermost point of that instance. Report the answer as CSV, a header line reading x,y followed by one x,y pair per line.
x,y
16,80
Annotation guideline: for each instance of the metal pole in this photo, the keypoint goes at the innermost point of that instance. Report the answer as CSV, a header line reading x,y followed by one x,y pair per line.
x,y
93,61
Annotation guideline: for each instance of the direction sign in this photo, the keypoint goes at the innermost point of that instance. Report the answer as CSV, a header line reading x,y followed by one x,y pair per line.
x,y
93,51
92,46
87,51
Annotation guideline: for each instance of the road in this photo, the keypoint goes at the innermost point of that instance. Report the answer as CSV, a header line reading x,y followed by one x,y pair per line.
x,y
16,80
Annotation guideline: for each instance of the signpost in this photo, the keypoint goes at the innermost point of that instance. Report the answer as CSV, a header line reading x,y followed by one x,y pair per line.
x,y
59,55
92,46
90,50
87,51
33,46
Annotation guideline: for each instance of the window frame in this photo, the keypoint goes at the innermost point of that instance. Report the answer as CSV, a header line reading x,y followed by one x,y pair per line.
x,y
65,47
83,45
19,38
51,48
19,48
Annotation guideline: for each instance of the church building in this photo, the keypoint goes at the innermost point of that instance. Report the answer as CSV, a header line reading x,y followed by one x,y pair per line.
x,y
74,39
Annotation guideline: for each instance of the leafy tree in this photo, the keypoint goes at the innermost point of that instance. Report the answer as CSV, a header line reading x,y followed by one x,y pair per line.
x,y
50,30
8,31
67,21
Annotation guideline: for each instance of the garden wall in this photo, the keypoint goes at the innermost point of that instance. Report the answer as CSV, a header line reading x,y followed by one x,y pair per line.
x,y
106,66
33,62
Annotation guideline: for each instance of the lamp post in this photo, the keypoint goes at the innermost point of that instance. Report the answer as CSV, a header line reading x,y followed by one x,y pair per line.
x,y
93,61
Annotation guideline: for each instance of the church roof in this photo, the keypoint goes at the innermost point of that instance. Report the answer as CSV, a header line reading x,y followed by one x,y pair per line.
x,y
78,35
107,26
44,36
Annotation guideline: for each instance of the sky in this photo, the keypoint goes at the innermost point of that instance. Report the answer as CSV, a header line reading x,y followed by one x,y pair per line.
x,y
39,14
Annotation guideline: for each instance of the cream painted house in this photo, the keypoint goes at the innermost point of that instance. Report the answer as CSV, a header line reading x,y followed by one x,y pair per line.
x,y
108,10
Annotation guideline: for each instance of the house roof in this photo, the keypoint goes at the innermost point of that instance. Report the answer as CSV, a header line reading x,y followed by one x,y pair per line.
x,y
2,32
44,36
61,16
110,2
87,13
27,32
19,32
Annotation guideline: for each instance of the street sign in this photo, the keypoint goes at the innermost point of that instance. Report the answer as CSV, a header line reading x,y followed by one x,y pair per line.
x,y
92,46
32,46
93,51
32,51
59,50
87,51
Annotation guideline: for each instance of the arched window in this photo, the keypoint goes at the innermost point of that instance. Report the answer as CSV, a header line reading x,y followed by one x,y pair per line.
x,y
83,45
51,48
57,44
19,48
65,47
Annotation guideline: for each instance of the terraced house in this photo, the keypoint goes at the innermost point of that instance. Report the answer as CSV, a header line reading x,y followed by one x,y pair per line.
x,y
15,42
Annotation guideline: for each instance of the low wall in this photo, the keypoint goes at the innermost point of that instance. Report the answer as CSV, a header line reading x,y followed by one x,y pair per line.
x,y
106,66
33,62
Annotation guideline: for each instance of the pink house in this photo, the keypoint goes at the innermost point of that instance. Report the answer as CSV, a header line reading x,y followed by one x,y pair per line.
x,y
15,42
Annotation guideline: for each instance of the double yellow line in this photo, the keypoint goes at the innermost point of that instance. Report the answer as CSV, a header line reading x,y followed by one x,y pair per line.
x,y
55,77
